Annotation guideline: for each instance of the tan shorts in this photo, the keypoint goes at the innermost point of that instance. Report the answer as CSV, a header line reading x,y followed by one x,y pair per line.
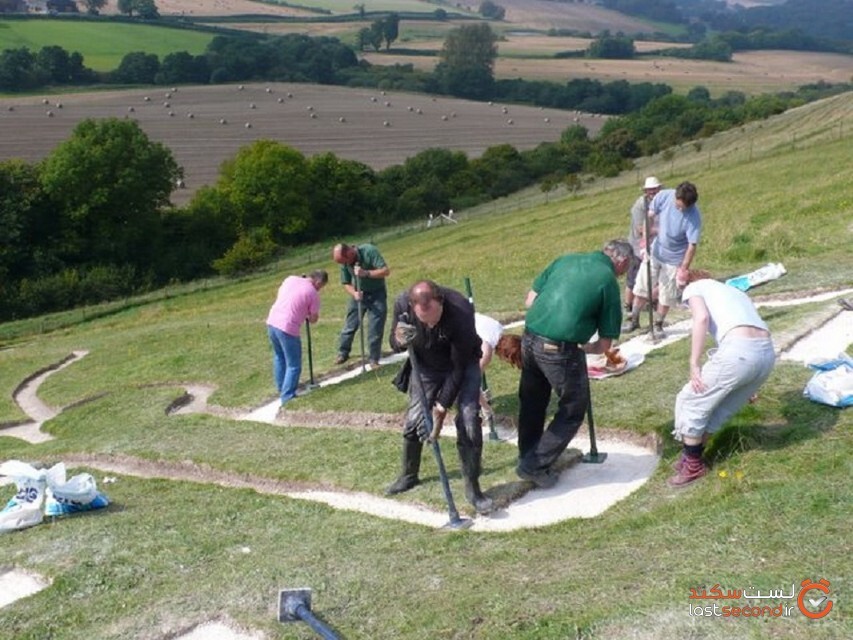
x,y
663,276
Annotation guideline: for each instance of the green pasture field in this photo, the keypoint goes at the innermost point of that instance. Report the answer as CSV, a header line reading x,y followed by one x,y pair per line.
x,y
169,554
103,45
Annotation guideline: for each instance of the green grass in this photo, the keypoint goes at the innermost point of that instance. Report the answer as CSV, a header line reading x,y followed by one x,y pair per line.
x,y
103,45
171,554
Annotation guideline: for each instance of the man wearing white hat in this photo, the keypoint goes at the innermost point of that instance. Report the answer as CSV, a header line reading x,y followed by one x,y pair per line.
x,y
636,234
671,253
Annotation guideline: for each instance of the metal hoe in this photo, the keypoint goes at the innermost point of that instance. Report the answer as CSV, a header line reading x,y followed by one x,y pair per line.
x,y
594,456
360,320
295,605
455,522
490,416
649,277
311,383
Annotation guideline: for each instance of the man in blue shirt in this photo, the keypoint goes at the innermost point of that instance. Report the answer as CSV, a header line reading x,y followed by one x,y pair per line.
x,y
679,227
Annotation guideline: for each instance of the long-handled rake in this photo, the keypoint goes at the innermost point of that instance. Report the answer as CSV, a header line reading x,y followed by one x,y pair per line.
x,y
455,521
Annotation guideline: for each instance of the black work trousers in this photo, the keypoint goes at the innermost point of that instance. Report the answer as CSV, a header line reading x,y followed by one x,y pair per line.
x,y
549,366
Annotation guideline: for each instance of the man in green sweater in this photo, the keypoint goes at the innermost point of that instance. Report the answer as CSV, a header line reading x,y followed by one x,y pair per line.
x,y
363,273
576,296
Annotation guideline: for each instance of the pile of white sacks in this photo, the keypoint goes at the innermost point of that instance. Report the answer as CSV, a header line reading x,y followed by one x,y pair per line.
x,y
46,492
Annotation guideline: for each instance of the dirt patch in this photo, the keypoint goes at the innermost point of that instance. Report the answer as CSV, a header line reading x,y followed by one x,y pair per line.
x,y
185,470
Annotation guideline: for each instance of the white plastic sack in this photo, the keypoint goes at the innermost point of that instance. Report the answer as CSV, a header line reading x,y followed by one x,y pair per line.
x,y
770,271
832,384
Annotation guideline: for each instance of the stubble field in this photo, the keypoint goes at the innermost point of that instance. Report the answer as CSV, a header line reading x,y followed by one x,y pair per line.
x,y
206,125
752,72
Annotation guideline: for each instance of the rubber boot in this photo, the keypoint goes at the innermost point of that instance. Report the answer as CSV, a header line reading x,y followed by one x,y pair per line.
x,y
470,458
411,461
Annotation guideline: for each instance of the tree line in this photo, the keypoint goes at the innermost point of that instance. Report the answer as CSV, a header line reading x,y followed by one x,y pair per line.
x,y
824,21
465,70
92,221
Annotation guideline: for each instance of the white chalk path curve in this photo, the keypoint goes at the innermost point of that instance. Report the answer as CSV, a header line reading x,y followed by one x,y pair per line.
x,y
584,490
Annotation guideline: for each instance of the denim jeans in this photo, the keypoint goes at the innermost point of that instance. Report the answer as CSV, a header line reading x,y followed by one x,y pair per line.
x,y
286,362
546,367
375,306
469,433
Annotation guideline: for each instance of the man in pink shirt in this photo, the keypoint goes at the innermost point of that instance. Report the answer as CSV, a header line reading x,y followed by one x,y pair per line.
x,y
298,300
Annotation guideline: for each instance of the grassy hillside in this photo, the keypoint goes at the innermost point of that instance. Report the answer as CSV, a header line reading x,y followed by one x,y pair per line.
x,y
102,45
172,554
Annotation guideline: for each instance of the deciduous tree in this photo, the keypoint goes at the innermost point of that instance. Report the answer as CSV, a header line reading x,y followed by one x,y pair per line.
x,y
109,180
467,61
94,7
267,182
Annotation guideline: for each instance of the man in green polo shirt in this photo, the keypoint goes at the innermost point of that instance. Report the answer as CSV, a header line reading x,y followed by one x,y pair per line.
x,y
576,296
363,273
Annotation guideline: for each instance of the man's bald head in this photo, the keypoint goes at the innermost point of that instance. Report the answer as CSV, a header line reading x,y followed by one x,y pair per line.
x,y
344,254
427,301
